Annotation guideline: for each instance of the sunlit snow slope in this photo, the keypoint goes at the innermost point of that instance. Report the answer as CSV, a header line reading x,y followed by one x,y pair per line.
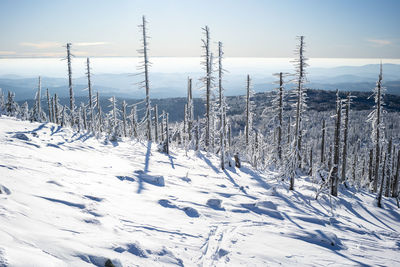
x,y
73,200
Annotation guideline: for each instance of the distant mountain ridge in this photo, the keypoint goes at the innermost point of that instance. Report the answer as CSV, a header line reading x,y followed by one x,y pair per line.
x,y
166,85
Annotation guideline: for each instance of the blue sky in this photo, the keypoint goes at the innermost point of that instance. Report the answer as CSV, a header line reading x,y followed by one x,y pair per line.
x,y
248,28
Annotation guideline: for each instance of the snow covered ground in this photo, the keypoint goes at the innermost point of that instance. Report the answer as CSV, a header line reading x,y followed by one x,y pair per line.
x,y
73,200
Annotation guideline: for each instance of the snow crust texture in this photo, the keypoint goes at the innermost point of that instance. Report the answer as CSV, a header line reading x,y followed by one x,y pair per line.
x,y
69,199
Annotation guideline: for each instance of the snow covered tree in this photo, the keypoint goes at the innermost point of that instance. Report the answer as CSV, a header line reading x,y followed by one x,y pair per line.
x,y
112,118
277,113
24,113
295,154
56,110
207,80
222,106
156,123
345,137
145,83
99,114
2,102
334,173
124,119
375,117
189,110
388,168
395,185
249,111
133,117
90,104
49,105
37,114
323,142
71,91
301,96
11,107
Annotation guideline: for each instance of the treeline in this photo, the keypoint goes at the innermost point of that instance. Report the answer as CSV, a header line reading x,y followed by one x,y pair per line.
x,y
337,147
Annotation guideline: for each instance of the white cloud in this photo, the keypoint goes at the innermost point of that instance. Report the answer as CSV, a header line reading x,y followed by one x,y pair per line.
x,y
90,43
41,45
379,42
6,53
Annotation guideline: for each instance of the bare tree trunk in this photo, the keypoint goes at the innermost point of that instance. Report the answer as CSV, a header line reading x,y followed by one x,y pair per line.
x,y
71,92
288,131
90,94
146,78
311,161
334,177
56,111
247,129
48,105
395,186
299,105
280,117
323,143
190,109
124,124
39,100
378,126
345,138
387,170
382,184
99,114
156,123
166,135
52,113
207,62
370,167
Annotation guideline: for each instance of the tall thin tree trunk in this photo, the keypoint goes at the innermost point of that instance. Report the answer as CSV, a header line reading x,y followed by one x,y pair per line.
x,y
345,138
146,78
395,186
71,92
90,94
280,116
323,142
387,170
382,184
49,105
247,129
156,123
334,176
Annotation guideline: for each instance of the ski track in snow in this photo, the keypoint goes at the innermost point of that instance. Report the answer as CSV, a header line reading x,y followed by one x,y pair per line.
x,y
69,199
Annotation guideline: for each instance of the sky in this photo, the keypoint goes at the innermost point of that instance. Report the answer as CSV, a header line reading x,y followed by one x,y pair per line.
x,y
247,28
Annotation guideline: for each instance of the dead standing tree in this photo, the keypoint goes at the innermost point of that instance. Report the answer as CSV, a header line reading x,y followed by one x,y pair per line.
x,y
145,64
71,91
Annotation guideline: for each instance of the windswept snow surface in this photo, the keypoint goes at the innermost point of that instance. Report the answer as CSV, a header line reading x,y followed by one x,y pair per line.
x,y
69,199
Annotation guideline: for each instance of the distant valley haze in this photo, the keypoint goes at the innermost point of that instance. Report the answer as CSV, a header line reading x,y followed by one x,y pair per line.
x,y
168,75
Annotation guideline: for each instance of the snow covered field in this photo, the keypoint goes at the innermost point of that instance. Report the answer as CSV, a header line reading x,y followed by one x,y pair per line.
x,y
70,199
